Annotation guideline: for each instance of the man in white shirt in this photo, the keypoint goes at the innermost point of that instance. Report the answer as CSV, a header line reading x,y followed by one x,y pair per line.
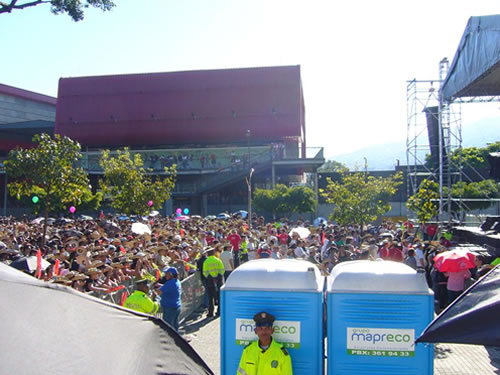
x,y
227,259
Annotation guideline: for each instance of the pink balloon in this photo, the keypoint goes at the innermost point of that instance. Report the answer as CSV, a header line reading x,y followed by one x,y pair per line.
x,y
72,209
150,203
178,211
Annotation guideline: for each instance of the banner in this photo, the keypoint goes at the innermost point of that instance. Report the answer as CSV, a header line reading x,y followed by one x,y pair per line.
x,y
285,332
381,342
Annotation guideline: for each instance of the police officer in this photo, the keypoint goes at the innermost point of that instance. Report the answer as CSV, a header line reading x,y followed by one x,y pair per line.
x,y
213,270
139,300
265,356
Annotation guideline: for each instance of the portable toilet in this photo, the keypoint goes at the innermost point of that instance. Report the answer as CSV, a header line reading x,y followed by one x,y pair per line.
x,y
375,311
291,290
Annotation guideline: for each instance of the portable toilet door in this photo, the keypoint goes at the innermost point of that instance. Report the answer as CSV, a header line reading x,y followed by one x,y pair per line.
x,y
375,311
289,289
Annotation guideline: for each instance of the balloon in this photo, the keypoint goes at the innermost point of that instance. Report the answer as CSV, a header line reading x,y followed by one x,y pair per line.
x,y
178,211
150,203
72,209
186,211
35,199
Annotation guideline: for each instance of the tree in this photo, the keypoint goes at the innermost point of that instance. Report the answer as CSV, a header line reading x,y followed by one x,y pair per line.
x,y
285,200
74,8
50,175
425,201
359,198
131,189
332,166
475,195
475,157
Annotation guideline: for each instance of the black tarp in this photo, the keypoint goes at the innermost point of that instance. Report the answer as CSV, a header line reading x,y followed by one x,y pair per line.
x,y
51,329
473,318
475,69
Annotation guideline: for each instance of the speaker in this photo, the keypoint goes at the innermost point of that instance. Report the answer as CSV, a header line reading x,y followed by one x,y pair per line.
x,y
494,161
432,117
489,222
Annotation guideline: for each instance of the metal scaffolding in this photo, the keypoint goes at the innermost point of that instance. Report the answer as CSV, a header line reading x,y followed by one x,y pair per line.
x,y
427,156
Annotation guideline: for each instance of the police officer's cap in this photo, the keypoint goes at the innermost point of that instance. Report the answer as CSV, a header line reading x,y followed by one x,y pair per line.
x,y
263,319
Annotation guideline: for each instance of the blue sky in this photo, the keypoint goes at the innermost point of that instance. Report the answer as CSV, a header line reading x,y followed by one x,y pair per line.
x,y
356,56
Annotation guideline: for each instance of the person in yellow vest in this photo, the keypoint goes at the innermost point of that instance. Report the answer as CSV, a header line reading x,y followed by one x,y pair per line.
x,y
213,271
265,356
139,300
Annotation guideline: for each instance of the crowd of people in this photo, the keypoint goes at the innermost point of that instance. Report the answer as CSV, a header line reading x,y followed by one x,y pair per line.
x,y
101,255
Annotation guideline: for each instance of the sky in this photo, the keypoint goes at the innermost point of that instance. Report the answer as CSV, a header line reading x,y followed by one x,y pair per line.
x,y
355,56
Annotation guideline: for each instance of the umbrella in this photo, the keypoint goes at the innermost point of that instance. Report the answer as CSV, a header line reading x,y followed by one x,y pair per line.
x,y
86,217
454,261
182,218
301,231
38,220
28,264
241,213
472,318
86,335
154,213
123,217
140,228
387,234
319,221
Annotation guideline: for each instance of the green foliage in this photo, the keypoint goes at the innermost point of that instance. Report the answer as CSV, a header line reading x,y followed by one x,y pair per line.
x,y
73,8
476,157
359,198
425,201
129,186
332,166
49,171
485,189
285,200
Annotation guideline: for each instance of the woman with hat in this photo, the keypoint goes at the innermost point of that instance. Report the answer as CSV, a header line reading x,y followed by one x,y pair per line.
x,y
171,297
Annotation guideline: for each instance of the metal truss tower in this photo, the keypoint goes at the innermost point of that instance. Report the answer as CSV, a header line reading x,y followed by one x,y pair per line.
x,y
434,133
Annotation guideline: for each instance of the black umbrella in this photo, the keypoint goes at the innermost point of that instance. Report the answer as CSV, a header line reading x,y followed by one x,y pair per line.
x,y
52,329
473,318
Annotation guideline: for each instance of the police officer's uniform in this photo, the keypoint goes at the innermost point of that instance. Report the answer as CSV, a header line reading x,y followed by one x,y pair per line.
x,y
258,361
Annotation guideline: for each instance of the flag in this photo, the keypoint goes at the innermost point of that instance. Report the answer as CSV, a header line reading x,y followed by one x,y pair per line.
x,y
124,297
182,232
56,268
122,250
39,263
157,275
322,238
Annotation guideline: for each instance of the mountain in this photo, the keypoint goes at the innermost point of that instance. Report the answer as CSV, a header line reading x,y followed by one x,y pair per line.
x,y
385,156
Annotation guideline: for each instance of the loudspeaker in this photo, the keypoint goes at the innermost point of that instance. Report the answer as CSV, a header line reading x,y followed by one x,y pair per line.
x,y
494,161
432,116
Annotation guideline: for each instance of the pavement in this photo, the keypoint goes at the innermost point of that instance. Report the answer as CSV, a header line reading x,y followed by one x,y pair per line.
x,y
449,359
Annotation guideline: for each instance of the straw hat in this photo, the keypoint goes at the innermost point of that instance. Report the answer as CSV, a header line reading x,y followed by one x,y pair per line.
x,y
81,250
82,260
93,270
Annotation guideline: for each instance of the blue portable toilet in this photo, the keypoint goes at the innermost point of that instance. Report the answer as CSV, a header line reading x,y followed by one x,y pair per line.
x,y
375,311
291,290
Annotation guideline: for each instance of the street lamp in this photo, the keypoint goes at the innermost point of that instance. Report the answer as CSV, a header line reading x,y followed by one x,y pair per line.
x,y
247,135
249,184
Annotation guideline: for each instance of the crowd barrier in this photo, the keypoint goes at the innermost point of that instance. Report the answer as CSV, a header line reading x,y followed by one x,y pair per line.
x,y
192,295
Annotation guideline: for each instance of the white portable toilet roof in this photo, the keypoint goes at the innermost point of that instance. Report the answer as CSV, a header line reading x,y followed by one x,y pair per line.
x,y
366,276
276,274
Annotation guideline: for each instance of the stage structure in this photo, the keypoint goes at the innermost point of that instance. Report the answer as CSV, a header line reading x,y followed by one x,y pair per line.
x,y
472,77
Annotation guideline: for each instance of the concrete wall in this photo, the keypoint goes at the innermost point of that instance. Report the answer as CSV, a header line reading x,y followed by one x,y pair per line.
x,y
14,109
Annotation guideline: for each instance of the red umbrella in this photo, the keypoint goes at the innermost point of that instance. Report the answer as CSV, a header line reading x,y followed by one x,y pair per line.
x,y
454,261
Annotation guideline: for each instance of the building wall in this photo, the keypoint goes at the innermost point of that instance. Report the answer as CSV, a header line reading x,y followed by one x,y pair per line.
x,y
14,109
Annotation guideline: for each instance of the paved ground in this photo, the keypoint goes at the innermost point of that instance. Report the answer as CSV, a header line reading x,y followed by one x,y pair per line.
x,y
450,359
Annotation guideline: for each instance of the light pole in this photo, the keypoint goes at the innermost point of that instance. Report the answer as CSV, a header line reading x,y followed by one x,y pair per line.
x,y
249,184
247,135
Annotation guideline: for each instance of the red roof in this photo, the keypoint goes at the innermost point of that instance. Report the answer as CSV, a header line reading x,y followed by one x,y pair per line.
x,y
210,106
25,94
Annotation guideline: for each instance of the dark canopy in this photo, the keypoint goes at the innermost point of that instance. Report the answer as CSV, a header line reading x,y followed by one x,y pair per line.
x,y
475,70
52,329
474,318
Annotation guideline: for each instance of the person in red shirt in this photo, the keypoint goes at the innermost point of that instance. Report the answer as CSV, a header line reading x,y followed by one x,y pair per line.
x,y
210,238
283,237
235,240
395,253
383,252
431,231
